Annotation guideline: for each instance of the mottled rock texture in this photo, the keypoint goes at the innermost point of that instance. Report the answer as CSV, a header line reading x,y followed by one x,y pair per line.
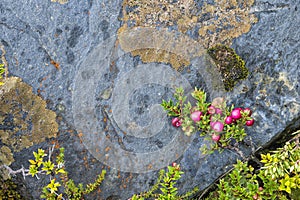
x,y
69,54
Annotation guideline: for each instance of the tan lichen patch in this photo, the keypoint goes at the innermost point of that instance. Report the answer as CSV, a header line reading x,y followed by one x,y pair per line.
x,y
215,23
24,120
150,13
228,20
283,76
6,156
160,46
161,56
60,1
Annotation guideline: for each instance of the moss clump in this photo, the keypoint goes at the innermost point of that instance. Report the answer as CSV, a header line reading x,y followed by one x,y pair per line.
x,y
8,190
231,66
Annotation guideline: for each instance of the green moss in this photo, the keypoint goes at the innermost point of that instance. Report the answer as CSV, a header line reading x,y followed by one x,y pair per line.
x,y
231,66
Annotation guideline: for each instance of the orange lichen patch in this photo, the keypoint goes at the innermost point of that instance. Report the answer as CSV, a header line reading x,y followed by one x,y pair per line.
x,y
80,134
24,118
215,23
55,64
149,166
55,143
107,149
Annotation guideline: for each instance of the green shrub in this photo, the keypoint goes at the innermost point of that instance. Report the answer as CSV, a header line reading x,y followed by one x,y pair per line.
x,y
59,186
226,135
164,188
279,178
8,190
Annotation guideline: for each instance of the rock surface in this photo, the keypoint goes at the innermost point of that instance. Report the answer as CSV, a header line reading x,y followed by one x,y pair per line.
x,y
106,100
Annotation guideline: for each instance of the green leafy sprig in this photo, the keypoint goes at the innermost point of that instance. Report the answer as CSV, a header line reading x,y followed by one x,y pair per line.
x,y
165,186
230,135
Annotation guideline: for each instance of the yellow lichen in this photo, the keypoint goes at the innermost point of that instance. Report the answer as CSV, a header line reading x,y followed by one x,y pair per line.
x,y
161,56
60,1
215,23
24,118
228,19
160,46
6,156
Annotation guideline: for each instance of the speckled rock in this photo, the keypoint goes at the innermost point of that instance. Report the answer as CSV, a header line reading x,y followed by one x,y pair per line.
x,y
106,98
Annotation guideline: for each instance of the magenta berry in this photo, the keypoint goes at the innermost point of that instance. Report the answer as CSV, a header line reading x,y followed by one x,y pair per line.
x,y
236,114
215,137
176,122
211,110
218,111
196,116
250,122
248,111
217,126
228,120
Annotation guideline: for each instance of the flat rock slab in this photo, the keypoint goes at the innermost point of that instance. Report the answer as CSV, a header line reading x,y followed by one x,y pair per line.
x,y
107,101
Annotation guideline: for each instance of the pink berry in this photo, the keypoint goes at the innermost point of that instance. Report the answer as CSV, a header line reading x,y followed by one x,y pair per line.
x,y
174,164
215,137
176,122
218,111
255,196
196,116
248,111
250,122
236,114
217,126
211,110
228,120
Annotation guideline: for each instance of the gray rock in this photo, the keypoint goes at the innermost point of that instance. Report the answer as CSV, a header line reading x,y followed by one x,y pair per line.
x,y
80,37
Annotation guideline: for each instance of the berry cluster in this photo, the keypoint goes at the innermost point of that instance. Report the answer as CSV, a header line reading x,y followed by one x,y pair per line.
x,y
215,120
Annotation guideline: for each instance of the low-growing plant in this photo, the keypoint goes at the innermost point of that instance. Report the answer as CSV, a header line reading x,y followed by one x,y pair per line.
x,y
59,186
283,166
164,188
8,190
219,123
2,70
278,178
